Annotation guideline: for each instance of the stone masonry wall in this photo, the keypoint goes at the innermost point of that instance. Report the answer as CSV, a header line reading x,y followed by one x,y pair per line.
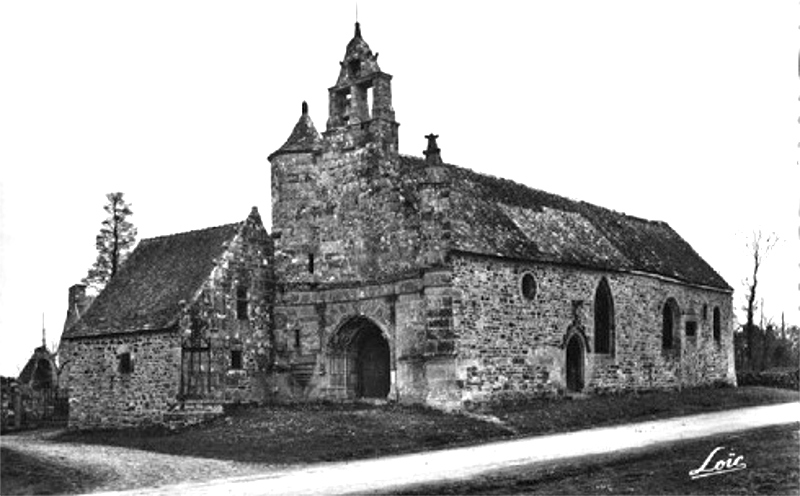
x,y
508,344
344,214
247,263
101,395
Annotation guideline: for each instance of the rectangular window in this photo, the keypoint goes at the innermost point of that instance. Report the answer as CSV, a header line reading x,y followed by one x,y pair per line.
x,y
310,263
125,363
691,328
241,303
236,359
297,338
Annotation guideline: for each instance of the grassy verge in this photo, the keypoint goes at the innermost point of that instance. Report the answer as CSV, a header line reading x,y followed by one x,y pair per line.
x,y
550,416
23,474
772,456
329,432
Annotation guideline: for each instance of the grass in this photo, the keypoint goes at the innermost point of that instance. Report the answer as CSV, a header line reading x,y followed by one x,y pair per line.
x,y
551,416
23,474
306,433
332,432
772,456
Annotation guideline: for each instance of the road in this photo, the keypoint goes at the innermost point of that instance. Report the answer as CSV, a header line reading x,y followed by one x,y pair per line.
x,y
462,463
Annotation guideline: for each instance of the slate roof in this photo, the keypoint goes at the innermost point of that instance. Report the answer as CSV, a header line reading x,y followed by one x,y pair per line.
x,y
27,374
146,292
498,217
304,136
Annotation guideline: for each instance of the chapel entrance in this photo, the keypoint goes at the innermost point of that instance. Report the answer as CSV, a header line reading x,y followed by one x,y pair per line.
x,y
360,361
574,364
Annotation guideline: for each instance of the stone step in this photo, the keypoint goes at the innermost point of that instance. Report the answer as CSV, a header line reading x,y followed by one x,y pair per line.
x,y
302,372
192,412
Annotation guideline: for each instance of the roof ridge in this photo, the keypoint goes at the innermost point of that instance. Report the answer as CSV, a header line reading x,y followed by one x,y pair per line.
x,y
193,231
537,190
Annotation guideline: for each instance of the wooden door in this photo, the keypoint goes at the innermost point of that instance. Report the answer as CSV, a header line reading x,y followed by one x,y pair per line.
x,y
373,364
574,365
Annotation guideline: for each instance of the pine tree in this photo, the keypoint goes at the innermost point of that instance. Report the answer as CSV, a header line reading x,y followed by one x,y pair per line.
x,y
114,242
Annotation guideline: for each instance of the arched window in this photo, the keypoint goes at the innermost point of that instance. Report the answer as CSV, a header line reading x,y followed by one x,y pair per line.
x,y
603,318
528,286
669,321
717,325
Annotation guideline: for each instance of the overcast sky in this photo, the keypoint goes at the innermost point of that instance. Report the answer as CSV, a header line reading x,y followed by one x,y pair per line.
x,y
684,112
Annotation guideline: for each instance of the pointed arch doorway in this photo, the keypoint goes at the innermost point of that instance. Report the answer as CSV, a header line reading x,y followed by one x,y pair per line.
x,y
575,367
361,360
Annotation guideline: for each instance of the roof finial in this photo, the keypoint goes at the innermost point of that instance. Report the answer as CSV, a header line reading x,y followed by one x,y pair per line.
x,y
44,340
358,30
433,153
305,108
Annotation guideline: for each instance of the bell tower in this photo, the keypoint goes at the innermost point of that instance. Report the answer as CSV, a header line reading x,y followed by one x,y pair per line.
x,y
360,103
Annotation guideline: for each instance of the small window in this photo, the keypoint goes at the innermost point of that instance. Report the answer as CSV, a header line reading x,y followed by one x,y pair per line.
x,y
528,286
297,338
310,263
691,328
125,363
236,359
705,312
241,303
717,325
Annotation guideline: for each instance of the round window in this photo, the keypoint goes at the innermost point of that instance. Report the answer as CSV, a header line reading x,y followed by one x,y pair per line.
x,y
528,286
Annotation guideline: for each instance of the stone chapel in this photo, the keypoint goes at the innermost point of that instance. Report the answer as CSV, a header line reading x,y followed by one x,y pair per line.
x,y
393,277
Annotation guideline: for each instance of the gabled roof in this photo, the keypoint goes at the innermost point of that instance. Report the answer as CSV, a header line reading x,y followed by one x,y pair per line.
x,y
497,217
160,273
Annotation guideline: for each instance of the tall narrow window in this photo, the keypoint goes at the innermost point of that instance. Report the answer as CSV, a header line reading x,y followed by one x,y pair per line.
x,y
297,338
241,303
603,318
717,325
310,263
669,319
370,103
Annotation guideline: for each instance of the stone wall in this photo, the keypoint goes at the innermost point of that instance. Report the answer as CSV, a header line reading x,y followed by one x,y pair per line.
x,y
245,266
102,395
509,344
344,214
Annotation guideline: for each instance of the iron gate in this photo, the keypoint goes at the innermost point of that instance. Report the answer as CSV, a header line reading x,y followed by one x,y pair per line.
x,y
195,366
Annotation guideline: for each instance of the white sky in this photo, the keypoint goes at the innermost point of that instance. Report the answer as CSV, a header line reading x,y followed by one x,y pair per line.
x,y
680,111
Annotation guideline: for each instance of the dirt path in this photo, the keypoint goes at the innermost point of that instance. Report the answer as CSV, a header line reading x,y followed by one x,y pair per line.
x,y
135,470
124,468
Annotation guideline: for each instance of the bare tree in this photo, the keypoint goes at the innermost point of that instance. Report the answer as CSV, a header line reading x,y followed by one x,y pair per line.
x,y
758,247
